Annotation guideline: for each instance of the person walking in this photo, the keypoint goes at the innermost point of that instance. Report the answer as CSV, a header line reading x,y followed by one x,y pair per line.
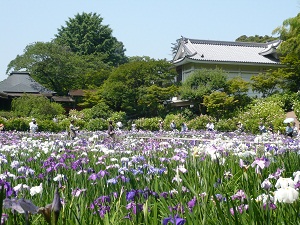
x,y
33,127
111,130
73,129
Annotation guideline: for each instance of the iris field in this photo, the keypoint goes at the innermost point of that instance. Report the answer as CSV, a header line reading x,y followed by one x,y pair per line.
x,y
196,177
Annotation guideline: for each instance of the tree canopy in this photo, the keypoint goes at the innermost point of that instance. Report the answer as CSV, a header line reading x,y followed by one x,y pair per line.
x,y
256,39
289,49
59,69
132,86
85,35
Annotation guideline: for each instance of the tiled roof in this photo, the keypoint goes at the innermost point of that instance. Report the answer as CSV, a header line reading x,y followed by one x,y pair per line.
x,y
21,82
224,51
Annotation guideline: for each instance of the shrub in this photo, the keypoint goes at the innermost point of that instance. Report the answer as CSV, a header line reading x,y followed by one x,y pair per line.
x,y
118,116
19,124
6,114
151,124
226,125
178,119
36,106
266,111
101,110
49,125
96,124
199,123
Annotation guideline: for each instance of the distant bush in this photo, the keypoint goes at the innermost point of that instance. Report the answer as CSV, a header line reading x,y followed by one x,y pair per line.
x,y
266,111
151,124
226,125
49,125
118,116
101,110
6,114
36,106
96,124
19,124
199,123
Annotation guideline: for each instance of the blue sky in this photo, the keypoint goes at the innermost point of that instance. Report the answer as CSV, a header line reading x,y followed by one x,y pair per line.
x,y
146,27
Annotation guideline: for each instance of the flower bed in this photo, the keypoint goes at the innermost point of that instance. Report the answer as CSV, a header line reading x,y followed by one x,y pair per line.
x,y
149,178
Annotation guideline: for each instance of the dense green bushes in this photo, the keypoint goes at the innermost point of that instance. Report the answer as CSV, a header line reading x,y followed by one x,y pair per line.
x,y
36,106
271,110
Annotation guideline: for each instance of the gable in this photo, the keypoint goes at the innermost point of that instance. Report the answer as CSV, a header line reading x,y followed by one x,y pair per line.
x,y
192,50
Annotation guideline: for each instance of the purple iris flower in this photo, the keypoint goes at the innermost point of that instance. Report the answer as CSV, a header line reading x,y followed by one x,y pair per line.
x,y
240,195
192,203
260,163
130,196
93,176
174,220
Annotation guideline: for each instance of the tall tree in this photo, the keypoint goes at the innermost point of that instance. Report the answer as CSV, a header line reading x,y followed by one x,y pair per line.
x,y
58,68
86,35
131,86
289,49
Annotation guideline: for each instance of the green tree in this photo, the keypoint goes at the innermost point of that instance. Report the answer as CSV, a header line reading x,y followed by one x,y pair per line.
x,y
151,99
85,35
256,39
267,83
59,69
122,90
203,82
289,50
219,104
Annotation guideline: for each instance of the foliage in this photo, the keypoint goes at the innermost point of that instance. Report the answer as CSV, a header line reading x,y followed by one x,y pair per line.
x,y
285,99
86,35
256,38
203,82
90,99
49,126
226,125
267,83
178,120
199,123
290,51
59,69
150,99
101,110
219,104
96,124
36,106
18,124
118,117
266,111
151,124
237,86
6,114
124,88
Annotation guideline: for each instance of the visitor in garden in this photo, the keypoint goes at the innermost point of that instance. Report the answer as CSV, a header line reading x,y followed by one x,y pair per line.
x,y
72,130
240,127
161,125
111,130
210,126
33,127
133,127
184,127
173,126
271,128
262,128
119,125
295,130
2,128
289,130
